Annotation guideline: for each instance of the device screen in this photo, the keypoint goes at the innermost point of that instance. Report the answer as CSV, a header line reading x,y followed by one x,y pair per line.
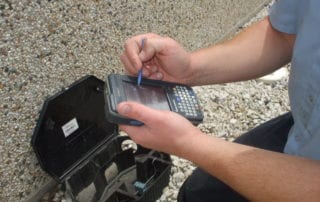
x,y
151,96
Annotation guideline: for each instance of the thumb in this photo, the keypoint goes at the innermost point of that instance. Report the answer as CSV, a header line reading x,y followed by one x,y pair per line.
x,y
137,111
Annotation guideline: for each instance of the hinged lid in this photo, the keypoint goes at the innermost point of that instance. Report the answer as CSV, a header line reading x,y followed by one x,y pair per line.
x,y
71,126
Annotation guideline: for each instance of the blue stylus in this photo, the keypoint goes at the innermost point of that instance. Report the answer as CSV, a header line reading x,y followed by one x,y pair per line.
x,y
139,77
141,70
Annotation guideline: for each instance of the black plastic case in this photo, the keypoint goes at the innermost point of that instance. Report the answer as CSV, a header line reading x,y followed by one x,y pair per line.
x,y
76,145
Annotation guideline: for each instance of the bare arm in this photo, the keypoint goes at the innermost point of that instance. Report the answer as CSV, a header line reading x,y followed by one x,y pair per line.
x,y
258,50
254,52
259,175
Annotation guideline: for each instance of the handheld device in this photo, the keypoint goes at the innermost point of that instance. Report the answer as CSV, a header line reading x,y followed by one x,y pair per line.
x,y
153,93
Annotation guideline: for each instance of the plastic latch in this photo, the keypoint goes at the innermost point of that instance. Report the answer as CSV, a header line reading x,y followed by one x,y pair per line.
x,y
140,186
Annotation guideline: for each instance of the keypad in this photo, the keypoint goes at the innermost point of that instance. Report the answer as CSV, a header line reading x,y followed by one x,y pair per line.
x,y
186,101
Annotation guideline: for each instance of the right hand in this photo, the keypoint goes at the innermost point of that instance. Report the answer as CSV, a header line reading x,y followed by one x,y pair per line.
x,y
162,58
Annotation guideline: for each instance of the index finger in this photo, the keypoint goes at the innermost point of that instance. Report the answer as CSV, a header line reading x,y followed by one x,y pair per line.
x,y
133,47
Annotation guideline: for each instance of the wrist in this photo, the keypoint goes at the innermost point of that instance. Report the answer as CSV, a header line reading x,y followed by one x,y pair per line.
x,y
192,73
188,146
202,149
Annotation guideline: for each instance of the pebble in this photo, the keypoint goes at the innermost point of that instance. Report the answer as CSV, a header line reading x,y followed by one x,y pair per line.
x,y
178,177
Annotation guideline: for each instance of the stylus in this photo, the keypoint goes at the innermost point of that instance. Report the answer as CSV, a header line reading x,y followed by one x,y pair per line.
x,y
141,70
139,76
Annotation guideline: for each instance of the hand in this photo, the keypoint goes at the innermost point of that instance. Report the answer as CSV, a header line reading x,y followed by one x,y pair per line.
x,y
161,57
164,131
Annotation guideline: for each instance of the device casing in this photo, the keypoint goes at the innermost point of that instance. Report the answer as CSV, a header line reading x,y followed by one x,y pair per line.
x,y
80,149
114,94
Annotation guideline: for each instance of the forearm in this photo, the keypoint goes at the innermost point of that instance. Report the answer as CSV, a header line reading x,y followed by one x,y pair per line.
x,y
259,175
256,51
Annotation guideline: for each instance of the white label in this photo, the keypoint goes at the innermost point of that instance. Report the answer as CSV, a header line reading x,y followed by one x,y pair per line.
x,y
70,127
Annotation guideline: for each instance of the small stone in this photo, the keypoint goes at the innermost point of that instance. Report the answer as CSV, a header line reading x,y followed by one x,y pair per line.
x,y
233,121
178,177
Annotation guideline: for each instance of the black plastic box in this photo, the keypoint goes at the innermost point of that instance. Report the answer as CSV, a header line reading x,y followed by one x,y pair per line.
x,y
76,145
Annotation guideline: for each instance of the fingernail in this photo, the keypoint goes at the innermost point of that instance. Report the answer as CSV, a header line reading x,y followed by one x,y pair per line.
x,y
159,75
125,109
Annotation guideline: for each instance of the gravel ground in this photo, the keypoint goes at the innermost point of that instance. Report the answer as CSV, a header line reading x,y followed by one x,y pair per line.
x,y
230,109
